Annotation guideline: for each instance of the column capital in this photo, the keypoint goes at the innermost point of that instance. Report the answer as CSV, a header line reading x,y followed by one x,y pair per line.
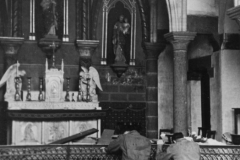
x,y
153,50
180,40
11,45
86,47
234,14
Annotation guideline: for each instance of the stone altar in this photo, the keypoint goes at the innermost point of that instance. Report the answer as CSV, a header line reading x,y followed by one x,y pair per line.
x,y
49,118
36,123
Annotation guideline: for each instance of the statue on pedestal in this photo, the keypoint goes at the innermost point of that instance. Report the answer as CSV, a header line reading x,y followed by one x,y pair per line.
x,y
121,28
9,78
89,82
50,16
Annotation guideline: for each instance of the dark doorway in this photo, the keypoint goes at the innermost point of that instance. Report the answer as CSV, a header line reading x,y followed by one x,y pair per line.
x,y
205,100
200,69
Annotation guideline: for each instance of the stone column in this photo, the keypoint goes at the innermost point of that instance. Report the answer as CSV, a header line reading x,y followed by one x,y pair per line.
x,y
180,41
152,51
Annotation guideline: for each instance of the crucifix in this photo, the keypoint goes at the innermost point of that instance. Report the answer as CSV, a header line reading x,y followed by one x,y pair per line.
x,y
53,46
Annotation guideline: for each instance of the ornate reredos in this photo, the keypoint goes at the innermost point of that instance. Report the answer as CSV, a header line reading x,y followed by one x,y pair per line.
x,y
54,84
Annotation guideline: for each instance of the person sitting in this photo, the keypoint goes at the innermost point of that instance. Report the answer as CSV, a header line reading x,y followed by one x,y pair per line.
x,y
182,149
133,145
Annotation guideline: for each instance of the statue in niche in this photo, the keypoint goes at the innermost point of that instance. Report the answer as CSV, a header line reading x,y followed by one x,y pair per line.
x,y
121,28
9,78
50,16
90,78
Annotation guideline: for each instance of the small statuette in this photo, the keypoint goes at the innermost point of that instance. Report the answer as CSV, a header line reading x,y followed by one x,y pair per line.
x,y
17,94
40,97
67,97
73,100
28,98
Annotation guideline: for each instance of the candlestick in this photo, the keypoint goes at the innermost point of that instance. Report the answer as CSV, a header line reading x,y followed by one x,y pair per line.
x,y
28,98
73,100
67,97
17,94
88,87
40,97
79,97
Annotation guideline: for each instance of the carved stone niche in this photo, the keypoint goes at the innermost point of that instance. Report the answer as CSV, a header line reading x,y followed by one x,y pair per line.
x,y
54,85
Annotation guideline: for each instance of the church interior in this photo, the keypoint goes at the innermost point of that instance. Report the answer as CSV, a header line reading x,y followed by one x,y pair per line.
x,y
71,65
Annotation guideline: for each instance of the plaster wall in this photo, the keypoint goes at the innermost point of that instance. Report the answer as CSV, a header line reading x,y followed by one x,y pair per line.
x,y
165,89
230,77
194,105
202,7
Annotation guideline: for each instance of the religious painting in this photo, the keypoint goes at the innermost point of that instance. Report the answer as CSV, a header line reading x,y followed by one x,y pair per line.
x,y
119,32
26,133
80,126
53,131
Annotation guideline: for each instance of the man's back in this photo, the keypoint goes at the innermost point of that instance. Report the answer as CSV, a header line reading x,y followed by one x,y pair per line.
x,y
133,146
182,150
136,147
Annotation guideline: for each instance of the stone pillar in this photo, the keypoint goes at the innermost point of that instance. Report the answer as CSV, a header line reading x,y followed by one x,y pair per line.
x,y
152,51
180,41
